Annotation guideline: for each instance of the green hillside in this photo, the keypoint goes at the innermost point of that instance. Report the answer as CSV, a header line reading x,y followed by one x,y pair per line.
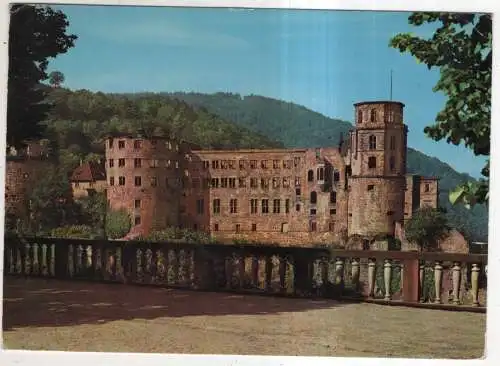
x,y
297,126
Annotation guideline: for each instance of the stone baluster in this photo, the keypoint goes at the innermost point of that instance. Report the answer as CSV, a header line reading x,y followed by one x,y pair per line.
x,y
339,271
19,264
70,260
119,271
387,279
192,277
79,252
355,273
88,252
371,277
290,275
456,282
44,260
53,260
27,259
36,266
475,284
438,276
12,266
421,279
401,277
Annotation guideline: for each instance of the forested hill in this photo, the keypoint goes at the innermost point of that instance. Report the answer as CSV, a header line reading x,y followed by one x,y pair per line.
x,y
297,126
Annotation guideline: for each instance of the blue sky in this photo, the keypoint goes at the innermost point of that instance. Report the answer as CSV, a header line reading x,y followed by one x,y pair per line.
x,y
324,60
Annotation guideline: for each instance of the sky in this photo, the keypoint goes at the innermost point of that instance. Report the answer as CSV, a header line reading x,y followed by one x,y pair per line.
x,y
323,60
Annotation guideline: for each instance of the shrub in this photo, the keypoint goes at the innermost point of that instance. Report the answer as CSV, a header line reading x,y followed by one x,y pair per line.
x,y
118,224
73,231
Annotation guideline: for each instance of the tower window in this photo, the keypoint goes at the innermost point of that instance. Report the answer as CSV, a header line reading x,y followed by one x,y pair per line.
x,y
373,115
310,176
393,143
265,206
137,204
320,174
137,220
427,187
137,181
313,226
392,163
333,197
254,227
297,207
372,162
360,116
372,142
371,187
314,197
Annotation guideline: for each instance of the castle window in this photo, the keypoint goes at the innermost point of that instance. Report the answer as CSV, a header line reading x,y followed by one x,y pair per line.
x,y
137,220
265,206
216,227
242,183
215,164
253,206
296,161
121,181
254,227
254,183
390,213
137,181
297,181
313,226
333,211
371,187
427,187
336,176
392,163
297,207
121,163
216,206
372,142
360,116
393,143
232,182
372,162
253,164
137,144
264,183
77,184
276,206
313,211
373,115
121,144
206,164
310,176
110,143
314,197
200,206
137,204
333,197
287,206
366,245
242,164
286,182
238,228
215,183
111,163
223,182
233,205
263,164
276,182
154,181
111,181
276,164
297,191
320,173
137,163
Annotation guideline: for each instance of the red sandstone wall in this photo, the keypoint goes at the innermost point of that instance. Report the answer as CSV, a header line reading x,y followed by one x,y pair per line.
x,y
160,162
429,192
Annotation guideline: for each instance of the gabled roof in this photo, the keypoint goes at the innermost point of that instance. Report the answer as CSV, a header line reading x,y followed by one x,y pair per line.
x,y
89,172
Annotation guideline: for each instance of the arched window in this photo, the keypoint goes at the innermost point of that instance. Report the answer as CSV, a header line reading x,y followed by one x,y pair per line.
x,y
314,197
320,174
373,115
392,163
360,116
372,142
372,162
310,176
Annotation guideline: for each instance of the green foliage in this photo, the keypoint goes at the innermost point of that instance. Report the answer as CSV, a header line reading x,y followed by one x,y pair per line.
x,y
94,212
73,232
118,224
426,227
461,48
56,78
177,234
50,203
36,34
395,285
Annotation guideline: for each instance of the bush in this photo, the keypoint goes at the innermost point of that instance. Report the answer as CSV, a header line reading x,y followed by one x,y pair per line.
x,y
118,224
173,233
73,232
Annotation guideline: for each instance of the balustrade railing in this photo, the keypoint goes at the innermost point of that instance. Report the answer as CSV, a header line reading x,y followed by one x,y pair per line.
x,y
435,279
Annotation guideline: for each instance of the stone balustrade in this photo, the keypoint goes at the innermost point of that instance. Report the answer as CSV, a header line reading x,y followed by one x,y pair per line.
x,y
456,281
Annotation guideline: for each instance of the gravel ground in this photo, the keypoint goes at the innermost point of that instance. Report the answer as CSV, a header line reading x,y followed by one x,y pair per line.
x,y
77,316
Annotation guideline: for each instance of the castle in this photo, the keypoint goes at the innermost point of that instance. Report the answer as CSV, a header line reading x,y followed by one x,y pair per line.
x,y
359,188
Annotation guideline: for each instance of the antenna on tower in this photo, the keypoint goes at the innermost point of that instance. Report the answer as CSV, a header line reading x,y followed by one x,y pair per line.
x,y
390,91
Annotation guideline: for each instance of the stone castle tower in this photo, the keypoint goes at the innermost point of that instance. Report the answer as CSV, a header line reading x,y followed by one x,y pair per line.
x,y
378,167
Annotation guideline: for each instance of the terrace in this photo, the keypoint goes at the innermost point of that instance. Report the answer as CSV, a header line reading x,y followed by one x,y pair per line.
x,y
185,298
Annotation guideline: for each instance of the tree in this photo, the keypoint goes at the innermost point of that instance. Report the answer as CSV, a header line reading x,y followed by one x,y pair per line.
x,y
426,227
36,33
56,78
94,209
461,48
118,224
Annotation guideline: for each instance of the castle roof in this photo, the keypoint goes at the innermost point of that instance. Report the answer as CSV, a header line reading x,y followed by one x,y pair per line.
x,y
89,172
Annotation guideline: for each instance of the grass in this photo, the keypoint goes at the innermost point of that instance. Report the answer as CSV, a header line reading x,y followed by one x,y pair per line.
x,y
77,316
